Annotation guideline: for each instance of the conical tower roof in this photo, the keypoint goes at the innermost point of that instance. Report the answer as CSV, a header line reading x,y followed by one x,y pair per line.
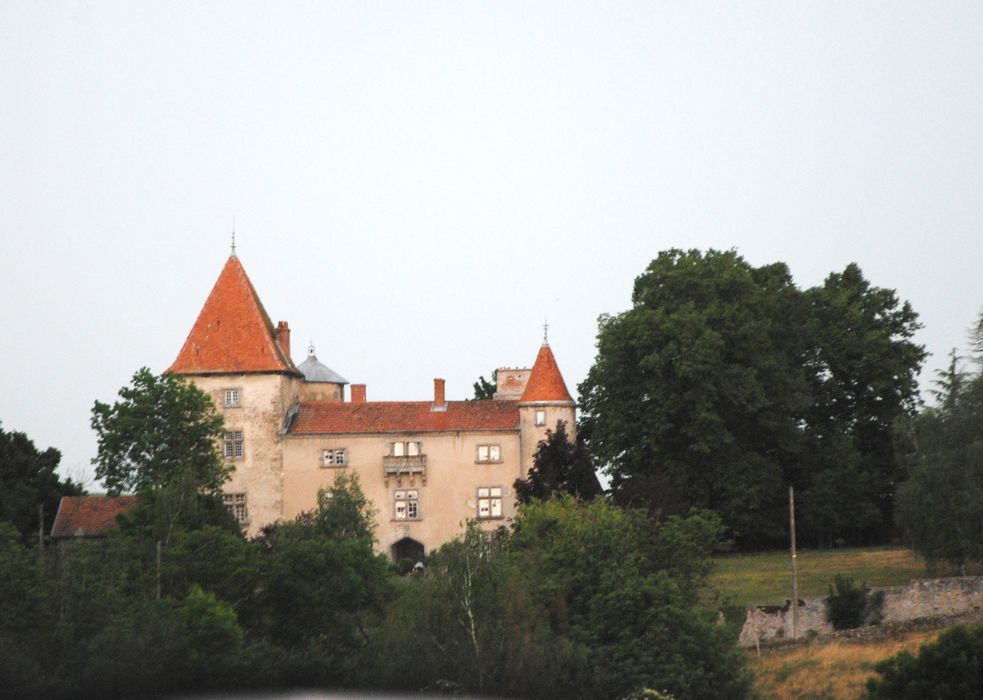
x,y
545,382
233,333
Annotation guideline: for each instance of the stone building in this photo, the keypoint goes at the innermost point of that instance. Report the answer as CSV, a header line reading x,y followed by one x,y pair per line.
x,y
427,466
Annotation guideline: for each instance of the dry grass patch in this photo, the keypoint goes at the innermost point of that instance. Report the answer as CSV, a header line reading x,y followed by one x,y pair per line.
x,y
832,671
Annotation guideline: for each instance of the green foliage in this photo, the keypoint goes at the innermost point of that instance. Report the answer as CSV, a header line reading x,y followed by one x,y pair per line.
x,y
949,669
724,383
163,432
29,478
484,389
559,466
849,605
940,506
581,601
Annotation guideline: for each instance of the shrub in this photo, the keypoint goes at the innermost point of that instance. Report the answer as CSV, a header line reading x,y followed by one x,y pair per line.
x,y
850,605
949,669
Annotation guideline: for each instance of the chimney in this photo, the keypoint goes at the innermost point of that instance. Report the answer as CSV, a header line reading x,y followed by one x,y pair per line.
x,y
439,404
358,393
282,336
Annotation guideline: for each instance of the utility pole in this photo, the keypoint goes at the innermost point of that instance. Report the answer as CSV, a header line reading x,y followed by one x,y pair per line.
x,y
795,571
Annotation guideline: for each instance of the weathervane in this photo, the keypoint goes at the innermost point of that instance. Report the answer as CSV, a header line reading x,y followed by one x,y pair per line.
x,y
310,348
546,331
233,235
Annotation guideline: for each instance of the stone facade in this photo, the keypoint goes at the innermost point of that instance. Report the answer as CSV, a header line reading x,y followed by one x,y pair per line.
x,y
427,466
922,599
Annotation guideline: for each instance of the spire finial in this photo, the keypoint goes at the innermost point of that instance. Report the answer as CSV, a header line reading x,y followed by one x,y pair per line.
x,y
310,348
546,332
233,235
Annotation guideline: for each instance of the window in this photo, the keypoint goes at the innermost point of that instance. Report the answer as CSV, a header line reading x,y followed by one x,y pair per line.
x,y
337,457
236,502
540,418
406,449
489,453
232,397
407,504
233,444
489,502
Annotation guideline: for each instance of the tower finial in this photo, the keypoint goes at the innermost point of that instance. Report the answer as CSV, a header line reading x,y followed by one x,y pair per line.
x,y
546,331
233,235
310,348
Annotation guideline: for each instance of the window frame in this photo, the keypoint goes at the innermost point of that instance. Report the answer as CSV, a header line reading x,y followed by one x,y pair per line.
x,y
233,445
540,417
237,502
332,461
411,500
404,449
493,453
492,494
232,397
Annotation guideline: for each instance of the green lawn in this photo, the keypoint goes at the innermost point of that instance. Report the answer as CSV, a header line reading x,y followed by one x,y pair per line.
x,y
766,579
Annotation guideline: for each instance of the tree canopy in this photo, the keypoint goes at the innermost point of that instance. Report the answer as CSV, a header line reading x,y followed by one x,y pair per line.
x,y
162,431
559,466
29,478
725,382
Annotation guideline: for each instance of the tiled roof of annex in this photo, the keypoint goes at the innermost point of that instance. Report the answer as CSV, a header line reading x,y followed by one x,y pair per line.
x,y
325,417
545,383
233,332
89,516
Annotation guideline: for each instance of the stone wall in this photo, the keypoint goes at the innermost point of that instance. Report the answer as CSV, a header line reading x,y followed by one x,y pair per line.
x,y
925,598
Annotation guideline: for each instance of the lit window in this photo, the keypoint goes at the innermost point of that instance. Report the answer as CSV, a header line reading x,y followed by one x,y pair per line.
x,y
489,453
490,502
232,447
407,504
406,449
337,457
540,418
236,502
232,397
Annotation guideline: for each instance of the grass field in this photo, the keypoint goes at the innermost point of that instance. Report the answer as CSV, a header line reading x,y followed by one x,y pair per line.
x,y
834,671
766,579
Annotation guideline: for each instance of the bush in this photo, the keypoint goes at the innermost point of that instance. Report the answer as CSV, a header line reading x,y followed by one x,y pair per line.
x,y
849,605
949,669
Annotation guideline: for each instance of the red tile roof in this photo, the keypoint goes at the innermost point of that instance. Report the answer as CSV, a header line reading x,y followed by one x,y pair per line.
x,y
89,516
545,381
320,417
233,333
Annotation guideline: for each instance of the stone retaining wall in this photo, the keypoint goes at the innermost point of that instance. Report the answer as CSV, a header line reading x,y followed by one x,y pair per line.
x,y
925,598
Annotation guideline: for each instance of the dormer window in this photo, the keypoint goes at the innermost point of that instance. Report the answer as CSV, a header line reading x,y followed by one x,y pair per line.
x,y
232,398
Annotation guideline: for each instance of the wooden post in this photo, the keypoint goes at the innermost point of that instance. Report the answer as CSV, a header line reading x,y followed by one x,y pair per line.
x,y
795,571
158,569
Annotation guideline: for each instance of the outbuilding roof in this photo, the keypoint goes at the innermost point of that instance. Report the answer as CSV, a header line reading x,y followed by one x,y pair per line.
x,y
326,417
89,516
233,332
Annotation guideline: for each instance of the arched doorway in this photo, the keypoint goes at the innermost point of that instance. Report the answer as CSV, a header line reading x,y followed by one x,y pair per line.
x,y
407,548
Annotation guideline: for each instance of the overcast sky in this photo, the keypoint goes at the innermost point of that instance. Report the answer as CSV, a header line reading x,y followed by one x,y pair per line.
x,y
417,185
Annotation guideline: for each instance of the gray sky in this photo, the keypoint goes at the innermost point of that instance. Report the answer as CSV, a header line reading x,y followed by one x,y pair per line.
x,y
416,185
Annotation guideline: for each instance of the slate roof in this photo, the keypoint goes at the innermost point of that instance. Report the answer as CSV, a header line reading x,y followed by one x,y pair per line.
x,y
327,417
545,382
89,516
316,371
233,332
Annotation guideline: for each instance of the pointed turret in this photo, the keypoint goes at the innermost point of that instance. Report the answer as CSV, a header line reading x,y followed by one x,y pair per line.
x,y
233,333
545,383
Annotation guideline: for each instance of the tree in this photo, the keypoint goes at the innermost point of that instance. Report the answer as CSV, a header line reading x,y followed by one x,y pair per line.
x,y
484,389
940,506
559,466
950,668
161,441
29,478
724,383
